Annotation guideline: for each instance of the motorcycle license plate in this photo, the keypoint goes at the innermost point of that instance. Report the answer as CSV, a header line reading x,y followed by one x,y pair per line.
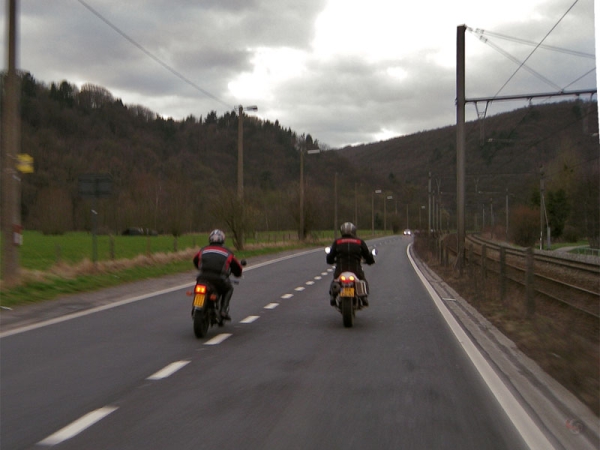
x,y
347,292
199,300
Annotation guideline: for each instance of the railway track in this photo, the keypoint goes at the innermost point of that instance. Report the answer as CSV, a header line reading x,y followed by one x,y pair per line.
x,y
557,281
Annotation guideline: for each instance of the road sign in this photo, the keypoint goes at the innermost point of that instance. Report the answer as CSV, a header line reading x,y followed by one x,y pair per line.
x,y
95,185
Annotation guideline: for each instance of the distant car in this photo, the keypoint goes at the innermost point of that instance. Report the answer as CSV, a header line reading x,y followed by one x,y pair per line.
x,y
407,232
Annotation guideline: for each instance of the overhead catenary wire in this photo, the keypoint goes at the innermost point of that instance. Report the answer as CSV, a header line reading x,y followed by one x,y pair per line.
x,y
149,54
536,47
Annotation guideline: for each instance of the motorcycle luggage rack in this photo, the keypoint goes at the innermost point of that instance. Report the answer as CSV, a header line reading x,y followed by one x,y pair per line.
x,y
361,288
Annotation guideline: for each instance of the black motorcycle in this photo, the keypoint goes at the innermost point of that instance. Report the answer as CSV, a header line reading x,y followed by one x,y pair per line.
x,y
206,306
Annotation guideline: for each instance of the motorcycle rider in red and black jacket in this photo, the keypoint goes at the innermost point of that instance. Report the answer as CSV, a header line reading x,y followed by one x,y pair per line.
x,y
215,263
347,254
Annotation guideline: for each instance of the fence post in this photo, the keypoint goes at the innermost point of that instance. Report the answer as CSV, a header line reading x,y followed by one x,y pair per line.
x,y
529,287
484,261
502,274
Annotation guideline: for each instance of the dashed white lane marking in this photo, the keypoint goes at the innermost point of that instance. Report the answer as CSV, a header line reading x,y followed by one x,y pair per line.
x,y
272,306
318,278
329,270
286,296
168,371
299,288
324,273
78,426
310,283
249,319
218,339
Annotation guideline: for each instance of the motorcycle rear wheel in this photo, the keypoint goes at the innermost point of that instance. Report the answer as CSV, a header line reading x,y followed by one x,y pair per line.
x,y
201,323
347,311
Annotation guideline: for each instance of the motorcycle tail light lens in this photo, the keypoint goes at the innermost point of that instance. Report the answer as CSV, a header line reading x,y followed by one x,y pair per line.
x,y
345,279
200,289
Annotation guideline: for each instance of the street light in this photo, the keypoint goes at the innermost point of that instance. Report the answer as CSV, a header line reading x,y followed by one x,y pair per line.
x,y
376,191
301,235
240,165
389,197
240,174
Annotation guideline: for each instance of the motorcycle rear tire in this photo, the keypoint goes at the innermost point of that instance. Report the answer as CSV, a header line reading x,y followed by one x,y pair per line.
x,y
201,322
347,311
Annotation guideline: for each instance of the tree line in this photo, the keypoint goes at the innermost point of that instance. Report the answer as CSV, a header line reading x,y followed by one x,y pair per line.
x,y
179,176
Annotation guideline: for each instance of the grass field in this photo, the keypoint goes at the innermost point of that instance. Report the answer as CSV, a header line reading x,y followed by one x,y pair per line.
x,y
52,266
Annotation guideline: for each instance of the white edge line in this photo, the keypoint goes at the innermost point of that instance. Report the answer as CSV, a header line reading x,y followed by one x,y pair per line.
x,y
91,311
78,426
524,424
168,370
218,339
130,300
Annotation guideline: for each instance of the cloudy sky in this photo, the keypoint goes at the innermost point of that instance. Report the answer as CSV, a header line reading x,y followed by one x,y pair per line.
x,y
345,71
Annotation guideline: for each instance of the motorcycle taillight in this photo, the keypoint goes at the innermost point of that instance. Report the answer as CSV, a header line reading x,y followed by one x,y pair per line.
x,y
347,279
200,289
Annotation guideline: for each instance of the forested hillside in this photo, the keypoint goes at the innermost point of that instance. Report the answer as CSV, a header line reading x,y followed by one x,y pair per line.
x,y
505,156
177,176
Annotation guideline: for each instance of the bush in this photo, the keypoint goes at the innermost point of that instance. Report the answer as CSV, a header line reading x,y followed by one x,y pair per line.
x,y
525,226
570,234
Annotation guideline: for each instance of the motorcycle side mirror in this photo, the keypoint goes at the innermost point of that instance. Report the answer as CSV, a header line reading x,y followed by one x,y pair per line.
x,y
243,262
374,252
327,250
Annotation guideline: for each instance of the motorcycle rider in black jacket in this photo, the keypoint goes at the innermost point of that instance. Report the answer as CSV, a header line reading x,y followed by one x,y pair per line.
x,y
347,253
216,262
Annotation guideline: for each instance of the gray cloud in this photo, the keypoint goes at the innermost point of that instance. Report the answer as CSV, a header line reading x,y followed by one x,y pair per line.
x,y
339,99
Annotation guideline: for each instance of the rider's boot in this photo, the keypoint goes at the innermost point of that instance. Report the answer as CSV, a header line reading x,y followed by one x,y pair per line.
x,y
225,305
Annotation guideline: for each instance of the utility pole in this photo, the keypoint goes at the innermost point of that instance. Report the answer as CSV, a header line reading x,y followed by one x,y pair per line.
x,y
240,168
541,207
11,214
335,207
429,210
460,144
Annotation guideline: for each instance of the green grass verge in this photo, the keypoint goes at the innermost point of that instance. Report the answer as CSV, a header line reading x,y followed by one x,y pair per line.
x,y
51,287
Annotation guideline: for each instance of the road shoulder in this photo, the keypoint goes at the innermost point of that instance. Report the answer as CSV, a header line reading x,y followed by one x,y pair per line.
x,y
566,421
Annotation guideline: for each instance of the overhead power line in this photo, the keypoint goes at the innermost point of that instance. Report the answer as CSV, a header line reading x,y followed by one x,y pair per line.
x,y
483,33
155,58
536,47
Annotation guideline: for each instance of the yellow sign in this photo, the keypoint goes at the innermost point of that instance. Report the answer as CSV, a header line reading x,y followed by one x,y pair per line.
x,y
24,163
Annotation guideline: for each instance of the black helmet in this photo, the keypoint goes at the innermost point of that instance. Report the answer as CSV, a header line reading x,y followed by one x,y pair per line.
x,y
216,237
348,228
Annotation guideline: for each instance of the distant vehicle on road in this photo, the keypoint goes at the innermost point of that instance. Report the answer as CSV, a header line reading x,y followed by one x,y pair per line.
x,y
407,232
139,232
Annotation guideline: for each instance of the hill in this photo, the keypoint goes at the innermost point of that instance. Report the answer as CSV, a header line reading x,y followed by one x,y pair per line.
x,y
174,176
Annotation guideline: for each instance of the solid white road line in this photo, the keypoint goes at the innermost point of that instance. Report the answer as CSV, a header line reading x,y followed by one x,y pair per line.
x,y
249,319
78,426
524,424
218,339
272,306
168,371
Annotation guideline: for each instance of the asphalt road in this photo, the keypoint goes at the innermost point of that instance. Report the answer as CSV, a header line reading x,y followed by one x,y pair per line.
x,y
284,374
